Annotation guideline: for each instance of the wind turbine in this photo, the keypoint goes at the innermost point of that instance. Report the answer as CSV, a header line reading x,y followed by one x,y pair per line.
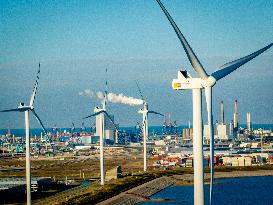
x,y
26,108
205,81
145,111
101,112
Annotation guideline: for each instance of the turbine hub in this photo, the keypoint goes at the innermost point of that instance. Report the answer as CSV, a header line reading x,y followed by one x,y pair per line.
x,y
209,82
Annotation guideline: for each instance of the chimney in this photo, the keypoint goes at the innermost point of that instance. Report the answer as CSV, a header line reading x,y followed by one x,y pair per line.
x,y
231,128
236,115
248,121
222,113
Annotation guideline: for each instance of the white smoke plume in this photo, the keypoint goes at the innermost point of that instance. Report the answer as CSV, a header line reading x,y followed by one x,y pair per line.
x,y
120,98
100,95
88,93
112,97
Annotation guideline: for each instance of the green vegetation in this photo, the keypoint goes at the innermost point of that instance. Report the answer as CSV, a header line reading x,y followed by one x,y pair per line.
x,y
111,189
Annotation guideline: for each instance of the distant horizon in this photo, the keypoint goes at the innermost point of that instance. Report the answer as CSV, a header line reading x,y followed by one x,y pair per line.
x,y
150,127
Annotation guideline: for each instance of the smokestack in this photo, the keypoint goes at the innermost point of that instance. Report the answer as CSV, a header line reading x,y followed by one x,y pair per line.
x,y
222,113
231,128
248,121
236,115
116,136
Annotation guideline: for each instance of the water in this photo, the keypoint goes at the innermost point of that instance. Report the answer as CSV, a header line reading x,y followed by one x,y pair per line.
x,y
244,190
38,131
155,129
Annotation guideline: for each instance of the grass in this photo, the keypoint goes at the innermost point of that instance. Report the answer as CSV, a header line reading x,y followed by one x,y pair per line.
x,y
114,188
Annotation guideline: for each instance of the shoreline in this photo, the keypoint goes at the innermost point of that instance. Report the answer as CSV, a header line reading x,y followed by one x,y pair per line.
x,y
142,192
187,179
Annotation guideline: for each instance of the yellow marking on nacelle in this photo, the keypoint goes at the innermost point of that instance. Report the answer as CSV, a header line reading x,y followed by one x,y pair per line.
x,y
176,85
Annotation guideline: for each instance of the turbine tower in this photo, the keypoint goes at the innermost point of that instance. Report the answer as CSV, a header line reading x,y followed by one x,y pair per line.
x,y
26,108
186,82
145,111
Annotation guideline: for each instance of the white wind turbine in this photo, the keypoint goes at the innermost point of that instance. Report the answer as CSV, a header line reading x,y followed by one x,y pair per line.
x,y
144,111
102,112
26,108
205,81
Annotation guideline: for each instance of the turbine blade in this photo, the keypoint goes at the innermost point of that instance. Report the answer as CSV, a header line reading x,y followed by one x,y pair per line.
x,y
106,91
190,54
32,99
95,114
208,93
233,65
153,112
13,110
139,90
110,119
39,120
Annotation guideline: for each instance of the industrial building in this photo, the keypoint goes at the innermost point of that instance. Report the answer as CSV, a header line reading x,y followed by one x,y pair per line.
x,y
187,135
220,129
109,128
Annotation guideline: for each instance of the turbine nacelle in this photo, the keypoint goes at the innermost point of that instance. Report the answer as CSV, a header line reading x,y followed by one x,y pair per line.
x,y
23,107
97,109
186,82
144,110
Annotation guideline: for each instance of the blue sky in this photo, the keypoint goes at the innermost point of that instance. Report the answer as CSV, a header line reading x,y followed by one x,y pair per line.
x,y
76,40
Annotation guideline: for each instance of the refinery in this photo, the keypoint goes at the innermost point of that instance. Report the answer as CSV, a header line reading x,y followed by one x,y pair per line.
x,y
101,162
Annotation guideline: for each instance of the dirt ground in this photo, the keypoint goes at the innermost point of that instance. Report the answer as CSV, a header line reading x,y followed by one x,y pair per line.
x,y
71,166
